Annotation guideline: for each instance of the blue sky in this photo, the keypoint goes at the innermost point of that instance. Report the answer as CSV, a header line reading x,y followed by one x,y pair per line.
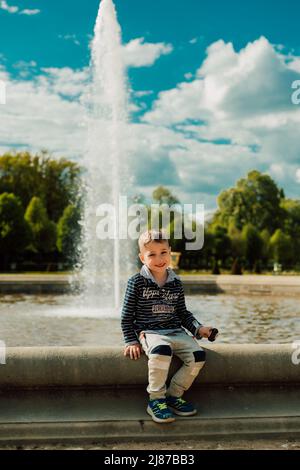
x,y
251,47
169,21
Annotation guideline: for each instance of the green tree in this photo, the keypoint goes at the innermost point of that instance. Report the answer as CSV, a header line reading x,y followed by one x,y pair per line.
x,y
282,248
69,234
61,182
165,199
253,245
221,243
162,195
43,229
57,182
15,232
177,244
265,236
207,252
238,248
215,267
292,224
20,175
187,233
236,268
254,200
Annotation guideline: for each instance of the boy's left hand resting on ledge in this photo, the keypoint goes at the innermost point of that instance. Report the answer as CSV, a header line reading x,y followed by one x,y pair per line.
x,y
133,350
205,331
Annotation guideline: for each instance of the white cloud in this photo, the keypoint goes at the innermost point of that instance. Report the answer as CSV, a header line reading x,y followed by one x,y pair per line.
x,y
40,114
6,7
199,137
64,81
14,9
178,104
188,76
294,64
230,85
277,170
30,12
140,94
138,53
24,68
23,63
70,37
244,99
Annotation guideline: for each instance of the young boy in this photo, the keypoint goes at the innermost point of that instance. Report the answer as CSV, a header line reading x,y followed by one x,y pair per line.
x,y
153,317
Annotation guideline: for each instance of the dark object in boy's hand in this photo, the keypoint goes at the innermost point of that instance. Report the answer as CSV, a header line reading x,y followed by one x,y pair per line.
x,y
214,333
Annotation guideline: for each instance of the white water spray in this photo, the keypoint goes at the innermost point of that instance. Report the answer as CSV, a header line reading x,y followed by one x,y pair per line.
x,y
106,161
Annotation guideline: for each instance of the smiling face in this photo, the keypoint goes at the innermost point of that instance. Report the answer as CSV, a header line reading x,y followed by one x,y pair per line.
x,y
156,256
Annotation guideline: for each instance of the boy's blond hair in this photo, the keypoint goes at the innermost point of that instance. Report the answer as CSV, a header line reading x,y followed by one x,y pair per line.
x,y
149,236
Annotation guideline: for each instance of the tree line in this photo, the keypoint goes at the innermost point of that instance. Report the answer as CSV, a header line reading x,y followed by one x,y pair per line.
x,y
254,228
41,204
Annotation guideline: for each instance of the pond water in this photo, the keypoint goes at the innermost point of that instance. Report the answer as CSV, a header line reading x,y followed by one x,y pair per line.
x,y
58,320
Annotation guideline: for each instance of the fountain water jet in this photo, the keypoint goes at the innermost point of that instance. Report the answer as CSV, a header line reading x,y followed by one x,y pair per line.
x,y
106,161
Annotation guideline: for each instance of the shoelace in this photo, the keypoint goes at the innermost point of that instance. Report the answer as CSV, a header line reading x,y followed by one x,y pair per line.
x,y
181,401
161,406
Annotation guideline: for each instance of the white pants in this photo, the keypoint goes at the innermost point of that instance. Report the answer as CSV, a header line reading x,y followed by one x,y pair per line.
x,y
160,349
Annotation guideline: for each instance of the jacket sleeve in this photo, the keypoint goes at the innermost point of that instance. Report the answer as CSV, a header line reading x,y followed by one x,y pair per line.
x,y
188,321
128,313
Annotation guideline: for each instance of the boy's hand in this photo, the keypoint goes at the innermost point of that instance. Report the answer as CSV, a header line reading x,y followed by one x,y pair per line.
x,y
134,351
205,331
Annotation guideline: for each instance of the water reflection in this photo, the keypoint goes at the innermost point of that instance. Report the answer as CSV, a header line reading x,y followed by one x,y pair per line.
x,y
48,320
249,319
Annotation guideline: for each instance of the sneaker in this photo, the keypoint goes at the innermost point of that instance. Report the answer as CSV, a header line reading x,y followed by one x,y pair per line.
x,y
159,411
181,407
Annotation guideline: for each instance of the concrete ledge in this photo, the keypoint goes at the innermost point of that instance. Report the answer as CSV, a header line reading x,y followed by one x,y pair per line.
x,y
194,284
34,284
242,285
96,367
139,431
57,395
53,416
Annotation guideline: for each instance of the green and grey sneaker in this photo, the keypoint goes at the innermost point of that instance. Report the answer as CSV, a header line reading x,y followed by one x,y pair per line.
x,y
159,411
181,407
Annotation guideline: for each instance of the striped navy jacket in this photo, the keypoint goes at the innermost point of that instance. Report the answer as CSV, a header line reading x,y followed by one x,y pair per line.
x,y
153,309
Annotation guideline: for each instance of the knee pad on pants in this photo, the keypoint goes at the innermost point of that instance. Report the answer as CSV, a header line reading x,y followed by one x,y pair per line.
x,y
162,350
199,356
197,362
160,356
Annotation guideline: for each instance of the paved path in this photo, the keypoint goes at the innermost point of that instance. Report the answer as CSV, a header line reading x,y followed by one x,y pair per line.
x,y
190,445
